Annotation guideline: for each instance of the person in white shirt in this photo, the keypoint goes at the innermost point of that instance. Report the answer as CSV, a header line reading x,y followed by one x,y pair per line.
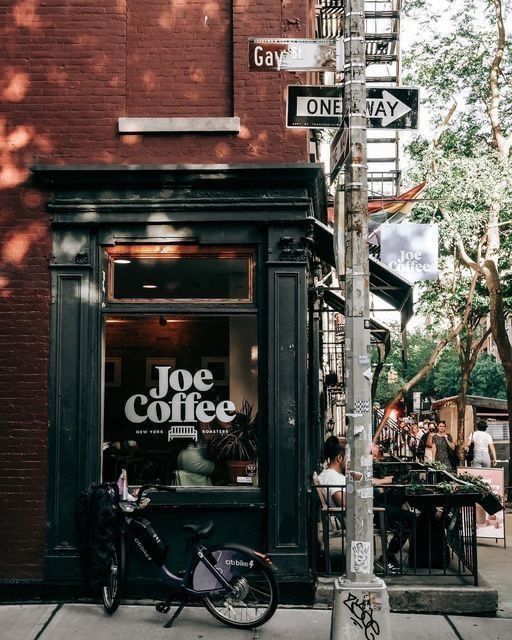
x,y
485,453
332,477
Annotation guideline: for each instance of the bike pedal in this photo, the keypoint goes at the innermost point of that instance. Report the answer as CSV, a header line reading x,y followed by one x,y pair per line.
x,y
163,607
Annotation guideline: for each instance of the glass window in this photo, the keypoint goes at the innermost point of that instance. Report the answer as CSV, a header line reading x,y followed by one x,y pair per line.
x,y
181,399
168,272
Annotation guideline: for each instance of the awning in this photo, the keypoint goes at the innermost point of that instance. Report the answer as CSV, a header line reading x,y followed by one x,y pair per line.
x,y
378,331
384,283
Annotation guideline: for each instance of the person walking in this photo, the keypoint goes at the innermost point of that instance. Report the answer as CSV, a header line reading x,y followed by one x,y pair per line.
x,y
441,444
415,441
484,451
425,446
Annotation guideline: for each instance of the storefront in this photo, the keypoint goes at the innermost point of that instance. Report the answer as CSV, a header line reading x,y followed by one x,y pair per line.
x,y
179,326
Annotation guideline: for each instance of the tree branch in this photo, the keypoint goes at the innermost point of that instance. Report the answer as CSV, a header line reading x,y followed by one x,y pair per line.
x,y
432,360
466,258
477,347
494,83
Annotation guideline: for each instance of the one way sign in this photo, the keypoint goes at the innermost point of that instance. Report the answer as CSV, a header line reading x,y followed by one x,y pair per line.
x,y
392,107
321,107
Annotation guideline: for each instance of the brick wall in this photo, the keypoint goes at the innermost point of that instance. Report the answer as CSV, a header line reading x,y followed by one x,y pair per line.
x,y
70,69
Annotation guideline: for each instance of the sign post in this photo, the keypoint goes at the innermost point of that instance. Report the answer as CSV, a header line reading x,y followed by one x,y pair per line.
x,y
361,603
416,403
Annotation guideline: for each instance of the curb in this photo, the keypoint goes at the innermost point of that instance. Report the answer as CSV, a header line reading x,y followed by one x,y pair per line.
x,y
481,600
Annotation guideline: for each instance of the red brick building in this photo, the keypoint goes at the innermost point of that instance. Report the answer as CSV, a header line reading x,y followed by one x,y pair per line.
x,y
110,114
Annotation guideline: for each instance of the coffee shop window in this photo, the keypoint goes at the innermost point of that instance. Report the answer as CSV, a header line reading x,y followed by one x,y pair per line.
x,y
181,399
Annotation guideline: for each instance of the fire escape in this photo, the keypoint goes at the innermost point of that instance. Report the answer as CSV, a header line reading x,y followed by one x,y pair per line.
x,y
383,69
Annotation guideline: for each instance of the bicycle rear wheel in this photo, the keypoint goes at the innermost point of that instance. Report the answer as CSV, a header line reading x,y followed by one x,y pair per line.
x,y
255,596
111,590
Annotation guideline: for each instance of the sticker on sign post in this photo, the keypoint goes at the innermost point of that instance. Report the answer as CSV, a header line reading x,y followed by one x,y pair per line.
x,y
360,557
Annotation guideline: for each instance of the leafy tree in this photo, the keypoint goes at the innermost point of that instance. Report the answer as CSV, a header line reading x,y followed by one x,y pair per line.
x,y
488,378
447,375
465,61
394,374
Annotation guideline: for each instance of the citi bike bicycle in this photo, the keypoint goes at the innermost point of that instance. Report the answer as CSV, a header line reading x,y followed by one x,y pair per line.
x,y
235,584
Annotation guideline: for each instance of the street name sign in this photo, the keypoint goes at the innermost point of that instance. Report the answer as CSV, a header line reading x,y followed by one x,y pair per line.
x,y
316,107
295,54
392,107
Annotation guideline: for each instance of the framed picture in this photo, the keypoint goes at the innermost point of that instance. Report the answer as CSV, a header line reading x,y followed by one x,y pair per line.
x,y
151,371
112,372
219,366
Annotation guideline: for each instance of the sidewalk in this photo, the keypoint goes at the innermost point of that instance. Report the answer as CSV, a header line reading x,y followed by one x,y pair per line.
x,y
494,562
86,621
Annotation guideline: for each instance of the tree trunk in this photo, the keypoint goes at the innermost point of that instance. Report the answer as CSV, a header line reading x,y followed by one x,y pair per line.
x,y
499,333
509,404
461,413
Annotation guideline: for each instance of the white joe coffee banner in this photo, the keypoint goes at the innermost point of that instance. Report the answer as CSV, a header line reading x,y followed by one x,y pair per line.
x,y
411,250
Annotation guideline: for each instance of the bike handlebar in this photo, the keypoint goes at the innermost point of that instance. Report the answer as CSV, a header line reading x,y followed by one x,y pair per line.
x,y
158,487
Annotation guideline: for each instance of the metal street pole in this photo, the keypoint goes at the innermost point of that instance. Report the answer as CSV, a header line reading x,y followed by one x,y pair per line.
x,y
361,602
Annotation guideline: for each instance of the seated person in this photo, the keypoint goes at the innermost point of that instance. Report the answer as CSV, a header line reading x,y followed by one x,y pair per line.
x,y
399,521
194,468
332,476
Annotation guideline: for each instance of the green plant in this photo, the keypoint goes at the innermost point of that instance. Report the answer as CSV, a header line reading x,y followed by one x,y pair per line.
x,y
417,489
438,466
241,441
480,485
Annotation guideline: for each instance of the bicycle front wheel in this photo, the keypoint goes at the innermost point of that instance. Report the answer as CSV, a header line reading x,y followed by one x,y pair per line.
x,y
111,591
254,598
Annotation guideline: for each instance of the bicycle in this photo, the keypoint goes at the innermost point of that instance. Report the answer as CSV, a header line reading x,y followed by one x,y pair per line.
x,y
235,584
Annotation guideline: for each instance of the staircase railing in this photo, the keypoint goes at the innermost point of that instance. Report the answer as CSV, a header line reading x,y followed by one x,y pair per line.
x,y
395,442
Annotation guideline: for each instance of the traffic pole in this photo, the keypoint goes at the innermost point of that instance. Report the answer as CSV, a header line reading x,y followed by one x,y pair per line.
x,y
361,603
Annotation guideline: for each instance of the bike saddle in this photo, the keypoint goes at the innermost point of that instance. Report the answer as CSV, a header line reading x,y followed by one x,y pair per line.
x,y
200,530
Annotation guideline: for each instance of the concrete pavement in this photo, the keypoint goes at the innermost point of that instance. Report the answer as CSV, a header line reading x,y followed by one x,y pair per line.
x,y
88,621
494,563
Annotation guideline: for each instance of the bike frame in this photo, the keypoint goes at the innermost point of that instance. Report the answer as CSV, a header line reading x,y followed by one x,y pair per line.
x,y
197,551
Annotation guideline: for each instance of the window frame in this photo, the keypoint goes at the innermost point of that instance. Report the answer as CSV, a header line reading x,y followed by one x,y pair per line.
x,y
175,252
218,495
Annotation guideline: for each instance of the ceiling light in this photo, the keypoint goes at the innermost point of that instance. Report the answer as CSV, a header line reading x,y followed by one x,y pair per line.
x,y
122,261
149,285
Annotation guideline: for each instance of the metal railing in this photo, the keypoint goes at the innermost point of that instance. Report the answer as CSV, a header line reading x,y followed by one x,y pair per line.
x,y
398,443
427,536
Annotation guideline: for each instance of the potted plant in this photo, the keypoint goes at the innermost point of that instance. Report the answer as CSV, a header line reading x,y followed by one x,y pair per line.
x,y
488,500
239,446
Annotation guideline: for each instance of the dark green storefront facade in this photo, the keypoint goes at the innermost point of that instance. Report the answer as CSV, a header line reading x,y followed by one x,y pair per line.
x,y
267,209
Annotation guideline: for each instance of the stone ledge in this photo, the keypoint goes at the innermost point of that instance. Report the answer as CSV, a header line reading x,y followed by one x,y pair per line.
x,y
179,125
461,599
